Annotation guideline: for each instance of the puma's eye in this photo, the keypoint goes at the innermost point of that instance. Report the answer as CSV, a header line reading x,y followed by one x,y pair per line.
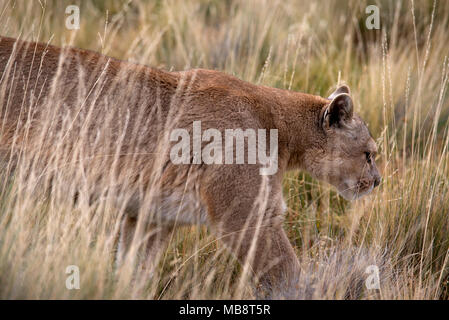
x,y
368,157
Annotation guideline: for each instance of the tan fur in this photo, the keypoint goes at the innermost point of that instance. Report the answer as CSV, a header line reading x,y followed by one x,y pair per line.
x,y
134,107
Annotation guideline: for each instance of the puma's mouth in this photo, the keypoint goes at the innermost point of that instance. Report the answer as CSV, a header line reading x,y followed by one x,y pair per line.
x,y
355,191
362,192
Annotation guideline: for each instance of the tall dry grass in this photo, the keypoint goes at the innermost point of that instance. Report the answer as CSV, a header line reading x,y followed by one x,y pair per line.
x,y
398,76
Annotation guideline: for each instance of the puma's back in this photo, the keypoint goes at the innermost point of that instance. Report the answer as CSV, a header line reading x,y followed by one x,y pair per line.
x,y
77,82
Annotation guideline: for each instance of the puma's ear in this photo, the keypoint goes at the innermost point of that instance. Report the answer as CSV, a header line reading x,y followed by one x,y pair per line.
x,y
342,89
338,111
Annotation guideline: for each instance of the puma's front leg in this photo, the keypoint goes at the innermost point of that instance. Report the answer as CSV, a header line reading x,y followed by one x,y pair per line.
x,y
250,224
268,252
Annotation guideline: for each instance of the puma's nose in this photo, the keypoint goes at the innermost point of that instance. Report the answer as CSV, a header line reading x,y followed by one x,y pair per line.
x,y
376,181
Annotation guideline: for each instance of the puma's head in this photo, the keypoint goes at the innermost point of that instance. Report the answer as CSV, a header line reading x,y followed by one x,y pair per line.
x,y
346,157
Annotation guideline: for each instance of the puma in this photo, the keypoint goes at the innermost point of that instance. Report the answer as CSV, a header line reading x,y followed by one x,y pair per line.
x,y
67,103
